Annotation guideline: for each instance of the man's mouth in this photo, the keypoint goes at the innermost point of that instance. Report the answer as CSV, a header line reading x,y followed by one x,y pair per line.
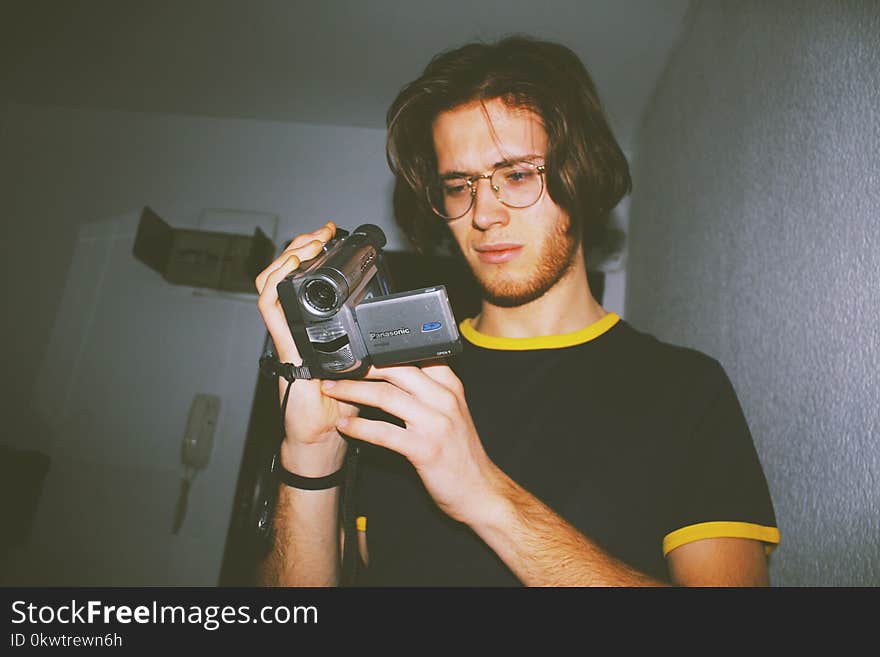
x,y
498,253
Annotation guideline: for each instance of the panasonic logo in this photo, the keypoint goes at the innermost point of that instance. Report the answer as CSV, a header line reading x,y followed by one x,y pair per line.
x,y
389,334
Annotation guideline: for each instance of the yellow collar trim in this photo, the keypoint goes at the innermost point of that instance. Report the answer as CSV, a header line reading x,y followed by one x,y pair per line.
x,y
585,334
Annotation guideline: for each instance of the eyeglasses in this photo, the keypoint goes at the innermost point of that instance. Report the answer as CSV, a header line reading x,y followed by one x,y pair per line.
x,y
516,184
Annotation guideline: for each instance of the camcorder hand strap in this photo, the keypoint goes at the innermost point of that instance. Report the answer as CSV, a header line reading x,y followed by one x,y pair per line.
x,y
272,367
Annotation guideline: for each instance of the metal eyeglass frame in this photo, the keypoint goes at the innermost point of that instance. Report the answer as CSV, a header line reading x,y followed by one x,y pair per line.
x,y
472,185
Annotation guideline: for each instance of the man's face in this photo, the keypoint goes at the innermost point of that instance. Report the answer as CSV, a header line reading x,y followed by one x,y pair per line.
x,y
516,254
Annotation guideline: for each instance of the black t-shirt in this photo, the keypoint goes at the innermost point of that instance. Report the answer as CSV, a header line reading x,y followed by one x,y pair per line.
x,y
640,445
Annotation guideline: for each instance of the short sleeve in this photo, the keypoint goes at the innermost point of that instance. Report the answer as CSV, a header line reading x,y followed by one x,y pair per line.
x,y
719,489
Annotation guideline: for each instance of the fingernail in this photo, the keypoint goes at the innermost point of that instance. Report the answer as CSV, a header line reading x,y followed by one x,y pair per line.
x,y
342,422
327,385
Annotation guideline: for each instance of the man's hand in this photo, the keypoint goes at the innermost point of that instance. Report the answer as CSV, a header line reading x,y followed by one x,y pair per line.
x,y
312,446
440,439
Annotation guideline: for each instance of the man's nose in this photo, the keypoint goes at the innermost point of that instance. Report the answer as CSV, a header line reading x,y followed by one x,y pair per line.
x,y
488,210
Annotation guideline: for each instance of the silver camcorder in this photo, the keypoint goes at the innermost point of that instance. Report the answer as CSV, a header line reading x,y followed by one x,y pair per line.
x,y
344,318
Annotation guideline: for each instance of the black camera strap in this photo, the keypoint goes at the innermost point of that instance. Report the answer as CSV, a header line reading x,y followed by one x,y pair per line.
x,y
270,366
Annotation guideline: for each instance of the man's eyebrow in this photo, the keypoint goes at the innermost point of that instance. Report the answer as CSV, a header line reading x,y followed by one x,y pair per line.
x,y
454,174
446,175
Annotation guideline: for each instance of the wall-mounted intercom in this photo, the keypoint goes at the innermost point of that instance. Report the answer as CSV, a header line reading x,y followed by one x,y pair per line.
x,y
198,440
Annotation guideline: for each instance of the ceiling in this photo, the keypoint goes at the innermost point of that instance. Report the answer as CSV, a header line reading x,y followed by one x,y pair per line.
x,y
333,62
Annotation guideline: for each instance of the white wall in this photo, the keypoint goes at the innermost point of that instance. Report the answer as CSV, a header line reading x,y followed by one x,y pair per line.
x,y
125,357
755,237
81,309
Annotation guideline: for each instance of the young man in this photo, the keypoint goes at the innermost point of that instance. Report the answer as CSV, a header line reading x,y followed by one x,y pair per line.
x,y
562,447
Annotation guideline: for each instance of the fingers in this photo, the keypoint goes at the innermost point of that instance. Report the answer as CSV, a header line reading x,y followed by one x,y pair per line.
x,y
304,247
273,315
324,234
286,262
435,385
443,375
379,433
374,393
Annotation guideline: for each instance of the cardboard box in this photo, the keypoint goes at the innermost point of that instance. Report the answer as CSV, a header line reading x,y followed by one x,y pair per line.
x,y
198,258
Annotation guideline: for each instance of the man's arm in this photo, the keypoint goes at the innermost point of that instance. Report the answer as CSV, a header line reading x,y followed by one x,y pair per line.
x,y
542,549
305,550
305,543
719,562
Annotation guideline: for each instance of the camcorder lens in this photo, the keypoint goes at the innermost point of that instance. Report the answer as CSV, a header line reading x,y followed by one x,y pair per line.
x,y
321,295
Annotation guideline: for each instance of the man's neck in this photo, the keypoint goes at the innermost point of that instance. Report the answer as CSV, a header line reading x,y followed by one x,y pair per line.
x,y
567,307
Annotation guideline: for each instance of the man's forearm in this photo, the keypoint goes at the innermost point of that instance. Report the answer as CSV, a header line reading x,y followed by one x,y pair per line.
x,y
542,549
305,544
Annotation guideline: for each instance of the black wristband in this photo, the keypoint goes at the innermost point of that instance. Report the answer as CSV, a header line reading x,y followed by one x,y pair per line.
x,y
306,483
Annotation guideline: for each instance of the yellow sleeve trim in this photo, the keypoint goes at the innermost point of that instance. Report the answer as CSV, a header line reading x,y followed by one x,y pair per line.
x,y
585,334
361,523
767,535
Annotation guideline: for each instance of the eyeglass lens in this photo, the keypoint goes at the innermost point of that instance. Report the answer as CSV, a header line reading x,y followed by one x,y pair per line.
x,y
517,185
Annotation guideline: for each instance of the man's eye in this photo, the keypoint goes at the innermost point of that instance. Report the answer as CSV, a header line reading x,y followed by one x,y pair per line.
x,y
454,188
519,176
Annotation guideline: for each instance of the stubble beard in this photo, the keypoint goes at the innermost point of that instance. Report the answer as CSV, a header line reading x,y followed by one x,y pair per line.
x,y
555,261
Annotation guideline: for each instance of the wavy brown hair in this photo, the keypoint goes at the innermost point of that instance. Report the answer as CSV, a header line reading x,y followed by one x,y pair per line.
x,y
587,173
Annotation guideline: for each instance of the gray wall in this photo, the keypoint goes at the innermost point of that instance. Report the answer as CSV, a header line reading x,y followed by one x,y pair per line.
x,y
754,237
103,357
